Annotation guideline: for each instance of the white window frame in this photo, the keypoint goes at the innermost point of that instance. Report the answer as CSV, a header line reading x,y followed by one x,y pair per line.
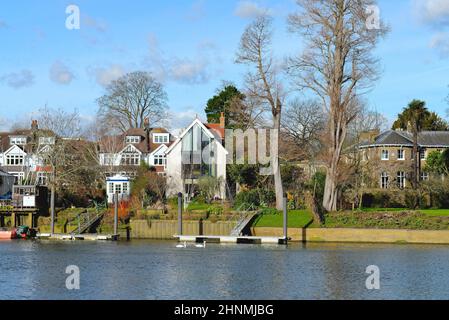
x,y
18,141
400,179
131,159
424,176
133,139
20,176
15,160
383,153
401,151
160,160
46,140
423,154
384,180
161,138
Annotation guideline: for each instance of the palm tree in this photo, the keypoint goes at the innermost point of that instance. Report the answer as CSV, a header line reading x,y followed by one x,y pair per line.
x,y
414,117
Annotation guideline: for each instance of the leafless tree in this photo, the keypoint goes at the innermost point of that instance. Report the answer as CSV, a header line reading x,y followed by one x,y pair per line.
x,y
131,99
263,81
303,123
337,66
61,155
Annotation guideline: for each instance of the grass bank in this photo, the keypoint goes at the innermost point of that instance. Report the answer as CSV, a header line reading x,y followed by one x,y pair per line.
x,y
296,219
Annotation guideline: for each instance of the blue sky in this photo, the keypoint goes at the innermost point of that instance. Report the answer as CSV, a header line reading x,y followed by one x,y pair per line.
x,y
190,46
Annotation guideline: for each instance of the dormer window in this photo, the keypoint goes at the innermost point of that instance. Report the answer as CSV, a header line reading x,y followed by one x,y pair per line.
x,y
160,138
47,140
133,139
19,141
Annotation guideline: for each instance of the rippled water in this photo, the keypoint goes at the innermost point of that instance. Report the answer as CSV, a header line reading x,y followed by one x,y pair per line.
x,y
158,270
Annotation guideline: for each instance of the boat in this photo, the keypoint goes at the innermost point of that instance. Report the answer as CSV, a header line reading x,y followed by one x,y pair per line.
x,y
22,232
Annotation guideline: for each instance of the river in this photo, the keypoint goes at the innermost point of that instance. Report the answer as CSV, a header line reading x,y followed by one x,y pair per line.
x,y
159,270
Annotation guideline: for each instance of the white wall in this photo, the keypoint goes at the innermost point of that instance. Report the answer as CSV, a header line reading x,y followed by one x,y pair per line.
x,y
174,170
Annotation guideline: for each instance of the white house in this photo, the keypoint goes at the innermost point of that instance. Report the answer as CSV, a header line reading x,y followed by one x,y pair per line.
x,y
199,151
124,153
19,154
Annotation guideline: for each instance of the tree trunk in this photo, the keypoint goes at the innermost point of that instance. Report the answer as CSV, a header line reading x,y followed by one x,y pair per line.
x,y
279,190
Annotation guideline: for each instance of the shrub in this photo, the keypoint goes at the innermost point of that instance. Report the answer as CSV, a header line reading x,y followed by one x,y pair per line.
x,y
269,211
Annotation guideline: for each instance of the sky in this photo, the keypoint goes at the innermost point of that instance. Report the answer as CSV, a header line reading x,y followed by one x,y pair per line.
x,y
190,46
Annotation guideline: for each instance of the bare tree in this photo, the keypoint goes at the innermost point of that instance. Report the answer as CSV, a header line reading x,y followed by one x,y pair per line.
x,y
303,123
337,65
131,99
263,83
60,154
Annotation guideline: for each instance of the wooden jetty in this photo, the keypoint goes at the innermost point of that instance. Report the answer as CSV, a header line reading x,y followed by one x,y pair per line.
x,y
75,237
232,239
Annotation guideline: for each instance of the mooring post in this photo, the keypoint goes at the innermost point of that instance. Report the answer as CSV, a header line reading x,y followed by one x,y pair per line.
x,y
115,214
180,214
284,205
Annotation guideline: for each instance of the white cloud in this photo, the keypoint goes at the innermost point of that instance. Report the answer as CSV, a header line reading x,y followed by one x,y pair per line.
x,y
105,75
186,70
180,120
440,42
197,11
434,12
17,80
60,73
250,9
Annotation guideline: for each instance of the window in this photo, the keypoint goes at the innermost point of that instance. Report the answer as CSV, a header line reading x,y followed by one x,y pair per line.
x,y
20,177
110,187
385,155
14,160
118,188
125,187
422,154
160,160
20,141
424,176
46,140
401,154
161,138
131,159
42,178
133,139
108,159
384,180
401,180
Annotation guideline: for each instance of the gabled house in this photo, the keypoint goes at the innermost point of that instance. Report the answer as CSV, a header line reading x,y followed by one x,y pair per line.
x,y
198,152
19,153
392,151
125,152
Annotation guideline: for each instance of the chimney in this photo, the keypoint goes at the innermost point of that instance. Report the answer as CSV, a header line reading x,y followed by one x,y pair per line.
x,y
222,120
146,123
34,125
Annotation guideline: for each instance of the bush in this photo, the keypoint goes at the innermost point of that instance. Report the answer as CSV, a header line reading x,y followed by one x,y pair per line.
x,y
246,199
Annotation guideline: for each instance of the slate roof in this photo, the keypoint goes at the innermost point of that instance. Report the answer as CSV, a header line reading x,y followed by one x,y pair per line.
x,y
429,139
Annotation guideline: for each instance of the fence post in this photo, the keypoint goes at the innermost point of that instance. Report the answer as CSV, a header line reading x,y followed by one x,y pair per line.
x,y
115,214
285,218
180,214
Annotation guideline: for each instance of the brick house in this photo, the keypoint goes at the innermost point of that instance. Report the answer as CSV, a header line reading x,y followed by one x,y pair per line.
x,y
391,151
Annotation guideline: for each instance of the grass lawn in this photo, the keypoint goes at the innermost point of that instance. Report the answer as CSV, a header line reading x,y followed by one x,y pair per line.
x,y
296,219
435,212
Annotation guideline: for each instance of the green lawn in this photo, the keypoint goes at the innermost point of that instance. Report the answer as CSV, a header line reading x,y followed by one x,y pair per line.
x,y
435,212
296,219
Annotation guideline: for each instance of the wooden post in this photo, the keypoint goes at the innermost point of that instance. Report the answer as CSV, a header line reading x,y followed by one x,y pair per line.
x,y
116,214
52,208
180,214
13,220
284,205
2,221
30,220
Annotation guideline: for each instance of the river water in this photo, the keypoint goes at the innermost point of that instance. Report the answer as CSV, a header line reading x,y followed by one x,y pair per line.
x,y
159,270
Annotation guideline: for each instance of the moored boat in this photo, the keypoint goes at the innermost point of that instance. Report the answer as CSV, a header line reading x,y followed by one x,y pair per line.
x,y
22,232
